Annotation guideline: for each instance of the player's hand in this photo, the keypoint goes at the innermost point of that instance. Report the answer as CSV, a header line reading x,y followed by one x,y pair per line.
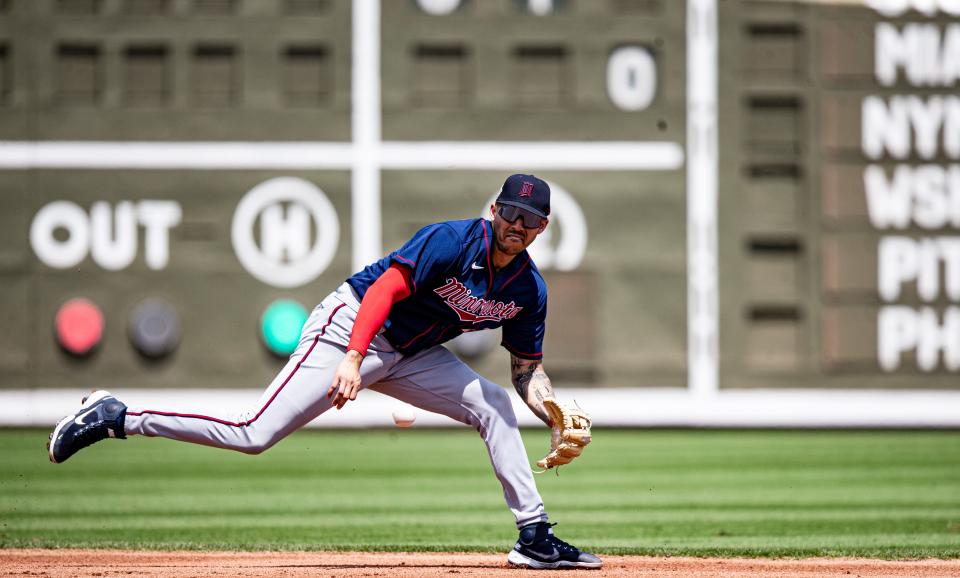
x,y
571,433
346,381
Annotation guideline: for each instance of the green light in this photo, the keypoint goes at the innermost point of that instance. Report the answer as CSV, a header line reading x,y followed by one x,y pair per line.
x,y
281,324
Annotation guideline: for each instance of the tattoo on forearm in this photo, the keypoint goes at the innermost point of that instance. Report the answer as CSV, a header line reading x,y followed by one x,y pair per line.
x,y
521,371
532,384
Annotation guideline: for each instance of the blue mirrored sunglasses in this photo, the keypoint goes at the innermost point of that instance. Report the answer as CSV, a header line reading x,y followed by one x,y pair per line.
x,y
511,213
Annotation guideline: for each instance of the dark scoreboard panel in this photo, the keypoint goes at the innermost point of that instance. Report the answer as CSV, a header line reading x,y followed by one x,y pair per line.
x,y
839,205
169,71
460,76
218,302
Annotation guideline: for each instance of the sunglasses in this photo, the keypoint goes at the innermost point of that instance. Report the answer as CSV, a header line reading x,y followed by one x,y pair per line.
x,y
511,213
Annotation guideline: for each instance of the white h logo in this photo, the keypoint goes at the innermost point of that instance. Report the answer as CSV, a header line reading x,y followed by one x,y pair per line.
x,y
285,232
285,206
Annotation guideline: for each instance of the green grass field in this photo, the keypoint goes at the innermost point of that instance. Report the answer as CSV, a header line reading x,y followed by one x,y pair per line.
x,y
702,493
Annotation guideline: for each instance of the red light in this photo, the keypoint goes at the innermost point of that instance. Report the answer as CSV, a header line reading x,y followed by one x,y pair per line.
x,y
79,326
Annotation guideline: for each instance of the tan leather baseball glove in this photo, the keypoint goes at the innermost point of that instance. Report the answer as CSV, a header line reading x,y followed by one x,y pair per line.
x,y
571,432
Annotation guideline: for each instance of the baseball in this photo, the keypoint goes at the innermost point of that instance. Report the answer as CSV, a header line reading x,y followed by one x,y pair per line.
x,y
404,416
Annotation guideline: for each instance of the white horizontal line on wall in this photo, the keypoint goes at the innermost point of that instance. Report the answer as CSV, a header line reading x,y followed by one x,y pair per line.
x,y
634,407
443,155
174,155
617,155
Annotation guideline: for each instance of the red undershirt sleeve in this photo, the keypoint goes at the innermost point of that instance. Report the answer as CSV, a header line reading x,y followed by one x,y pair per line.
x,y
389,288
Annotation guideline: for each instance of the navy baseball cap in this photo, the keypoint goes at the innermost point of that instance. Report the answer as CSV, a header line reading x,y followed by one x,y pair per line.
x,y
527,192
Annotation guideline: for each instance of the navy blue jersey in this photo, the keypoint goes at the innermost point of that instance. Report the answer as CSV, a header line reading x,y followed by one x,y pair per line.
x,y
455,290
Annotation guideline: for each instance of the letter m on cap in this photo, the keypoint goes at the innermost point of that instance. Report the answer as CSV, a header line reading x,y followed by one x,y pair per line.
x,y
526,190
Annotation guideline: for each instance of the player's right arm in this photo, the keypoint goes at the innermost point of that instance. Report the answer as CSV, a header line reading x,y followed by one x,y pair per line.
x,y
427,254
389,288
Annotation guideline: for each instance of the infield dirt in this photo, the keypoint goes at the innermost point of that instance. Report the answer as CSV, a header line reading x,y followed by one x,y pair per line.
x,y
105,563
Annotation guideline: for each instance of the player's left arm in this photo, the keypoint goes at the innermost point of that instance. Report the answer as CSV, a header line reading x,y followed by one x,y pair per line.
x,y
570,427
532,384
523,337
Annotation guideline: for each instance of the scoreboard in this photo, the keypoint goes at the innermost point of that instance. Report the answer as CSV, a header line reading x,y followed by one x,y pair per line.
x,y
222,155
749,194
841,215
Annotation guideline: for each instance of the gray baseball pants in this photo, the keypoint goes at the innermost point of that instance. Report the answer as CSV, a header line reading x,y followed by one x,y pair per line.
x,y
433,380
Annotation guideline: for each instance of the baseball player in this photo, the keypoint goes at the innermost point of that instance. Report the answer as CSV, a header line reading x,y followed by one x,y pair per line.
x,y
382,329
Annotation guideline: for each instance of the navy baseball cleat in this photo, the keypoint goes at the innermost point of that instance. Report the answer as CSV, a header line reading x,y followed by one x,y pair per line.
x,y
539,548
100,417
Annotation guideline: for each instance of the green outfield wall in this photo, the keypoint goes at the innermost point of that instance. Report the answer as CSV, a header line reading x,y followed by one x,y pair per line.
x,y
204,153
